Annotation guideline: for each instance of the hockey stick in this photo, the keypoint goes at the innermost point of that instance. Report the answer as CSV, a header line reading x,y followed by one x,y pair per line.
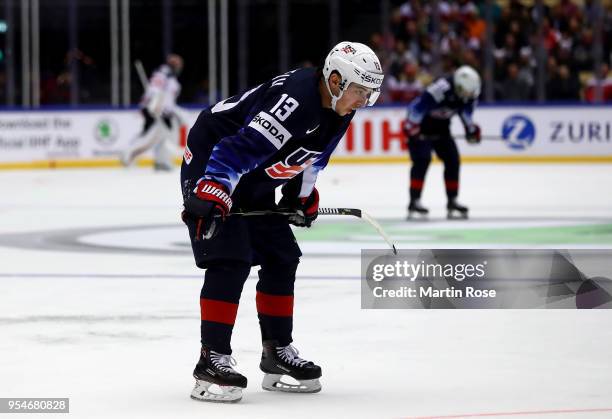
x,y
483,137
462,137
142,74
329,211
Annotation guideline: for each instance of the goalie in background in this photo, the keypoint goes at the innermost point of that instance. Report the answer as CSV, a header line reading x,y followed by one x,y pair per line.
x,y
159,109
427,128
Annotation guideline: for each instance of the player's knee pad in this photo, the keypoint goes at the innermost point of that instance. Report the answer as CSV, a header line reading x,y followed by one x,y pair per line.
x,y
224,280
451,167
420,166
277,278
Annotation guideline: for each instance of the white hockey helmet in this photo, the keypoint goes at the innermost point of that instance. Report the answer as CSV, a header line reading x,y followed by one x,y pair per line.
x,y
467,83
355,63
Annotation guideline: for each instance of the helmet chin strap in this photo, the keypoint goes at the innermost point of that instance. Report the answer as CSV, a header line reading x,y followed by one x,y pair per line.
x,y
334,99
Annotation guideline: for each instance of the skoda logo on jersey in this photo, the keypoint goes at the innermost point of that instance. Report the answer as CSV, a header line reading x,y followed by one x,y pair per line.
x,y
518,132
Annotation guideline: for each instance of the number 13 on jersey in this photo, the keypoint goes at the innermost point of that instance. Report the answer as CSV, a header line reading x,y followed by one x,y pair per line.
x,y
284,107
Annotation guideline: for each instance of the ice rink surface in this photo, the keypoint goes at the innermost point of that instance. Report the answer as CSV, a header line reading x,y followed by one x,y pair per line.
x,y
99,300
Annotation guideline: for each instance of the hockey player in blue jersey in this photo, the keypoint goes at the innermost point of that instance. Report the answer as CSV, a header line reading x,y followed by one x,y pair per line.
x,y
280,133
427,128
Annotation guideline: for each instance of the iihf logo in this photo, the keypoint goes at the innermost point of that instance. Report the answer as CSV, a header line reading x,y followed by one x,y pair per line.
x,y
518,132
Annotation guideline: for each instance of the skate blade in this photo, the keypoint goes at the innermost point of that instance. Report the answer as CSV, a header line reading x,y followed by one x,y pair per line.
x,y
163,168
210,392
125,162
417,216
456,215
274,382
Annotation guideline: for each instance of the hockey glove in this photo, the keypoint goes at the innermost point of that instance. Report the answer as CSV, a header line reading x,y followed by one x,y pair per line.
x,y
208,208
472,134
411,129
306,209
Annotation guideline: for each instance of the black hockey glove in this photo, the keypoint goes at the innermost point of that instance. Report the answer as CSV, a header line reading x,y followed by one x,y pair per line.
x,y
472,134
411,129
306,209
207,208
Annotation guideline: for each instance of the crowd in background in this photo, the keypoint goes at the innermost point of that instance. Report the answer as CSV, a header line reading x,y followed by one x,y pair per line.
x,y
414,52
421,44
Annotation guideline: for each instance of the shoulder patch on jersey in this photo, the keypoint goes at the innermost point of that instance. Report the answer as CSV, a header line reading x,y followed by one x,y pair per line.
x,y
270,128
438,89
187,155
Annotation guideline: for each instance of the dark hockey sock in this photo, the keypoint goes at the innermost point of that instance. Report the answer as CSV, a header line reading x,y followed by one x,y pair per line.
x,y
452,188
420,154
451,172
416,187
275,302
219,303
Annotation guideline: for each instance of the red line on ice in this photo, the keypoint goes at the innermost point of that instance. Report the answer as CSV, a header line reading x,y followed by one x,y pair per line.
x,y
537,412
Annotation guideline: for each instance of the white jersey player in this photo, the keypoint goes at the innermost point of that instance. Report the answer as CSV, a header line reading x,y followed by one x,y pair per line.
x,y
159,109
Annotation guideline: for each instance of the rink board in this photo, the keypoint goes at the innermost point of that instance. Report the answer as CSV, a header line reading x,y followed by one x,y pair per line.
x,y
96,138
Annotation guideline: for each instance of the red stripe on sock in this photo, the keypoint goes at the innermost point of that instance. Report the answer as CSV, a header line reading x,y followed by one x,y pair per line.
x,y
416,183
218,311
452,185
274,305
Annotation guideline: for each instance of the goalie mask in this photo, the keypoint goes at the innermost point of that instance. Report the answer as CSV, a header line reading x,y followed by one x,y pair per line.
x,y
467,83
175,61
355,63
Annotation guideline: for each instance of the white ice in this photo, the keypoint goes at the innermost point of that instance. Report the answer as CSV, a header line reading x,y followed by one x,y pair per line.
x,y
119,333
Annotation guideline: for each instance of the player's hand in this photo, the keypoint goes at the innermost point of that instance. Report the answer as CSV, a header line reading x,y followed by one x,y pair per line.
x,y
411,129
472,134
306,209
208,208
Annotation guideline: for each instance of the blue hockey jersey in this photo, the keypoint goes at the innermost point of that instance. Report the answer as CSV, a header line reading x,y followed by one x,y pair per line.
x,y
274,133
434,108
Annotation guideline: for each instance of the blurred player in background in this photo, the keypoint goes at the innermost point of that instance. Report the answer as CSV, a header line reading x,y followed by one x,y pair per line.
x,y
280,133
427,128
160,112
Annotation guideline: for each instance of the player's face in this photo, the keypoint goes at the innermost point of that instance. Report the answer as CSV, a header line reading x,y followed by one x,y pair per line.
x,y
355,97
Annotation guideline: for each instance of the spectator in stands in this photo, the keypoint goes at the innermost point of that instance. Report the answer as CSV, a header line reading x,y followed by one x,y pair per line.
x,y
475,26
582,55
603,77
566,29
563,85
513,88
406,86
399,57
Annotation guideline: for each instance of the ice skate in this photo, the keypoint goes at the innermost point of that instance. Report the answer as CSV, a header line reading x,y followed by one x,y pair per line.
x,y
279,361
216,380
456,211
162,167
126,160
416,210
